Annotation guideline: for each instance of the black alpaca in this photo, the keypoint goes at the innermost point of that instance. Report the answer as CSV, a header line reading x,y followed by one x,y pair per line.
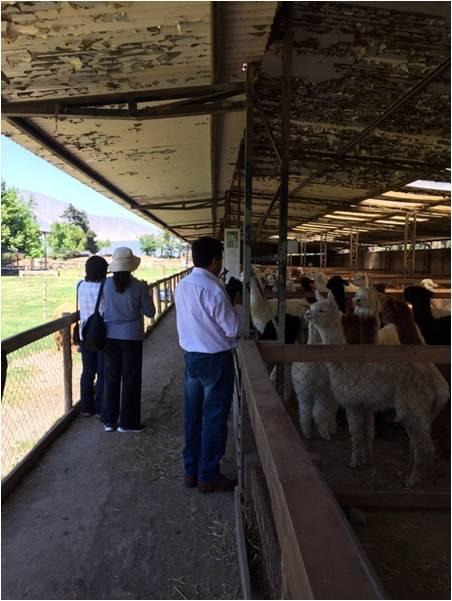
x,y
434,331
337,286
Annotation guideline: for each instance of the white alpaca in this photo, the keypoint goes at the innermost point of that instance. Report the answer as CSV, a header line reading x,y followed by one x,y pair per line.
x,y
416,392
316,401
429,284
367,304
262,310
320,281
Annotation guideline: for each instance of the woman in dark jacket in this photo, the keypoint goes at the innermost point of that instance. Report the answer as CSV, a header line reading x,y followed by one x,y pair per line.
x,y
125,300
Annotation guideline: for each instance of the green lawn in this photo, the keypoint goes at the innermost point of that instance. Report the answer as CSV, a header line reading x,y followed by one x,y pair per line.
x,y
31,301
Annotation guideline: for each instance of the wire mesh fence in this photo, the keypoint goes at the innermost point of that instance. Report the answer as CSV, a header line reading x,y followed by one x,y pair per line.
x,y
34,396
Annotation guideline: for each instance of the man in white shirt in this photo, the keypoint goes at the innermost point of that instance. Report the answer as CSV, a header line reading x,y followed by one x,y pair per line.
x,y
209,327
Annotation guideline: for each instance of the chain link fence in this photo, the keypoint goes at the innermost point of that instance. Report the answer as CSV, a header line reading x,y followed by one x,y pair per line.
x,y
34,395
41,377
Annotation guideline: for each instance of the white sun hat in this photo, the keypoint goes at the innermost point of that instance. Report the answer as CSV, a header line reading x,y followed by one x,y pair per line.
x,y
123,260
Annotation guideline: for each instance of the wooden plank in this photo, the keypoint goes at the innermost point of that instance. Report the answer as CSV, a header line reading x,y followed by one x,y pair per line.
x,y
30,460
397,501
19,340
67,368
274,352
321,556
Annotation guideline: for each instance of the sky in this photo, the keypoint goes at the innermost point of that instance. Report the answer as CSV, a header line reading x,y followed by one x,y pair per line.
x,y
23,170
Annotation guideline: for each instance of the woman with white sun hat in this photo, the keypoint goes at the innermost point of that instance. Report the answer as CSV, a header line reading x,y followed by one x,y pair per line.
x,y
126,300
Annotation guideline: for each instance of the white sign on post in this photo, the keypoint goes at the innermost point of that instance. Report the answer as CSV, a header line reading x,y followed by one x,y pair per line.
x,y
231,258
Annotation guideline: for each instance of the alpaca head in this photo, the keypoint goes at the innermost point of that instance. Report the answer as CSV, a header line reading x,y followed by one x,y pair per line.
x,y
417,295
324,313
366,302
320,281
360,279
270,280
429,284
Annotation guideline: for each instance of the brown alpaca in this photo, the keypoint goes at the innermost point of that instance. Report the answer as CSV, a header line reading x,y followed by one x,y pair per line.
x,y
400,314
359,330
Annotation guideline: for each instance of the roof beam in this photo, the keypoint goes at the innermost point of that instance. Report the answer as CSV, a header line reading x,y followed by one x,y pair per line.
x,y
138,96
182,109
44,140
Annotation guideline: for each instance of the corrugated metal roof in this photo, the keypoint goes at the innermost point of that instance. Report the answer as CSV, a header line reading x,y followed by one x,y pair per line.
x,y
61,49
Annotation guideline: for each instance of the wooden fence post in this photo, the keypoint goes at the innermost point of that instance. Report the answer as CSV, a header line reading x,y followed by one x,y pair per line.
x,y
67,367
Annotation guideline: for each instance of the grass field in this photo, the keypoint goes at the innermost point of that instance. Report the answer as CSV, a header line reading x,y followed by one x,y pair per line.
x,y
31,301
33,398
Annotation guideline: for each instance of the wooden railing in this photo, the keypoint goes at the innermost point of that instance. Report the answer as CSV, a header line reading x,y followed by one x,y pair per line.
x,y
309,550
163,295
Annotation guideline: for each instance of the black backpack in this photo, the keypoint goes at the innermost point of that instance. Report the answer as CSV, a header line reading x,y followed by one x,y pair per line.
x,y
94,331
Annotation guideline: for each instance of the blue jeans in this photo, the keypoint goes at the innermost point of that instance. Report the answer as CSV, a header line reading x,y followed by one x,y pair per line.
x,y
209,385
90,395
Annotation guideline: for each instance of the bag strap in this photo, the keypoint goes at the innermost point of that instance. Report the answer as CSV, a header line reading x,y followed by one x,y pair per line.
x,y
99,296
76,295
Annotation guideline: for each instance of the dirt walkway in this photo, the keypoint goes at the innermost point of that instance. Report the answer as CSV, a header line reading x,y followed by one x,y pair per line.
x,y
105,516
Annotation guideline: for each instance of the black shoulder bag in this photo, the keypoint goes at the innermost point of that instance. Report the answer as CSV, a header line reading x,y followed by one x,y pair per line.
x,y
95,331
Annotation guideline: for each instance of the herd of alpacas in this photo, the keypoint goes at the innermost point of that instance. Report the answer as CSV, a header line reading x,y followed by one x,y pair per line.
x,y
416,392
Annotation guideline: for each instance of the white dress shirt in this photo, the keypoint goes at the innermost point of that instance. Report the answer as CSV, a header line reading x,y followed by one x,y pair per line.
x,y
206,320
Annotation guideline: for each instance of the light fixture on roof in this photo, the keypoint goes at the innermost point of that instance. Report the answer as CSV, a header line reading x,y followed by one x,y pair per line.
x,y
402,218
354,214
387,222
411,196
440,209
244,66
430,185
390,204
344,217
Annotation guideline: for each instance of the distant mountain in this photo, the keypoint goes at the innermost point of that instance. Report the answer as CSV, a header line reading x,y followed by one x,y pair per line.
x,y
116,229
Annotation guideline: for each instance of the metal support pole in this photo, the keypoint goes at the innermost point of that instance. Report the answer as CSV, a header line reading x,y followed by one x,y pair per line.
x,y
409,244
354,246
303,252
323,248
239,200
285,157
247,233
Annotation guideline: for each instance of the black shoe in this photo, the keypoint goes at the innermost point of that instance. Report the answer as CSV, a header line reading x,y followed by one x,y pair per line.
x,y
220,484
190,481
137,429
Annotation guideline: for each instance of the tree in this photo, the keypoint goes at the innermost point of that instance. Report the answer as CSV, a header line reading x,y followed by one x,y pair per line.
x,y
79,218
65,239
103,243
149,243
20,229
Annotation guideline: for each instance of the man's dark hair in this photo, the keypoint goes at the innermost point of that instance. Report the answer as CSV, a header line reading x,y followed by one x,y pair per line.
x,y
95,269
204,250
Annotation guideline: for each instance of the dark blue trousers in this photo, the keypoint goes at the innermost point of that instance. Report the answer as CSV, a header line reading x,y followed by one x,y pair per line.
x,y
92,365
209,384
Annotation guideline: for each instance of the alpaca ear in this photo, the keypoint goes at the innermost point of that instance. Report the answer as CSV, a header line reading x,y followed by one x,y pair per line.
x,y
330,298
317,294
